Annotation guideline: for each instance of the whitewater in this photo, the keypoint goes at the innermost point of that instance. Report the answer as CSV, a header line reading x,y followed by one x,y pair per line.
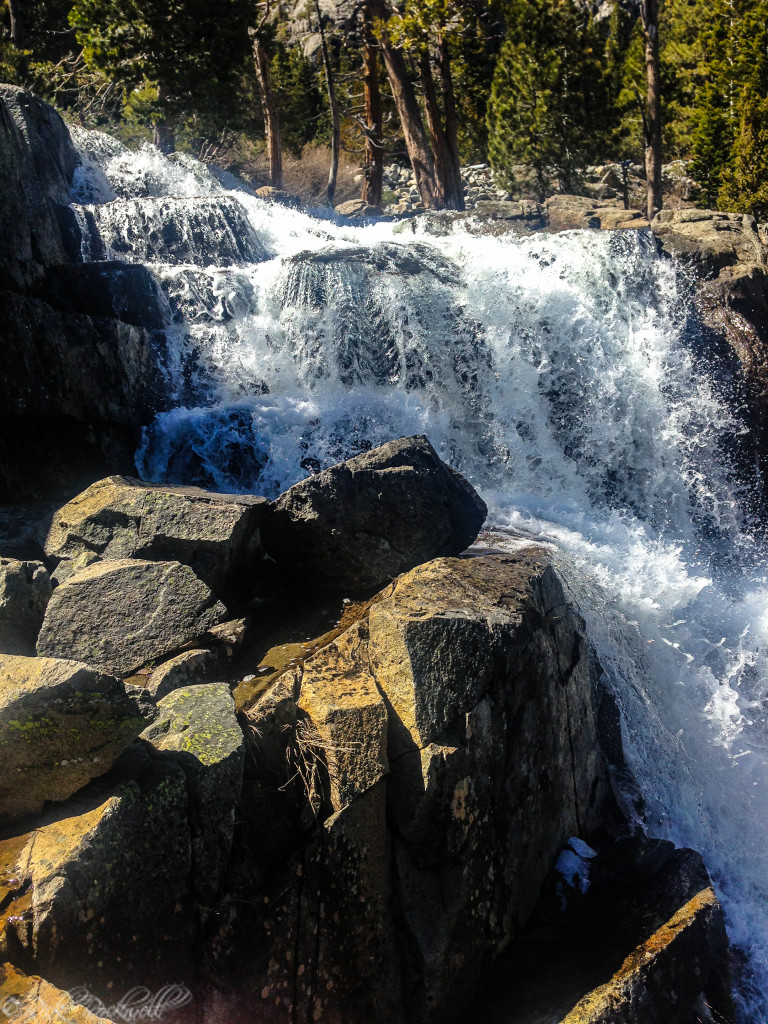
x,y
560,374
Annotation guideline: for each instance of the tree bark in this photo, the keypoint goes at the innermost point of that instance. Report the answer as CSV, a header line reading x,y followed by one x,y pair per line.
x,y
416,140
268,110
374,121
451,123
18,34
649,10
163,135
335,116
443,184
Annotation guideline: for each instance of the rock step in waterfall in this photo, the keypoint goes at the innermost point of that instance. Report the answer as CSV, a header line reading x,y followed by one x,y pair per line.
x,y
562,375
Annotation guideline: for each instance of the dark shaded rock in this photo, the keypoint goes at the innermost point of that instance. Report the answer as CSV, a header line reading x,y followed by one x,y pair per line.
x,y
61,725
196,727
104,880
71,365
361,523
645,944
25,589
123,291
48,459
217,535
117,615
37,162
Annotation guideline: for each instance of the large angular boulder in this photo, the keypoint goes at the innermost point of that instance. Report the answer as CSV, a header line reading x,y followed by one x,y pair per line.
x,y
196,728
117,615
453,745
120,517
61,725
357,525
25,589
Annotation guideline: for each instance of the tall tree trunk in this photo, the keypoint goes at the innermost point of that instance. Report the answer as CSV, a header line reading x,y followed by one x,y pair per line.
x,y
416,140
268,110
436,134
374,121
164,137
451,123
18,34
335,116
649,10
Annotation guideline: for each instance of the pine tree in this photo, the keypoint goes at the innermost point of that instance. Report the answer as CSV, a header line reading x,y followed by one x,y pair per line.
x,y
550,93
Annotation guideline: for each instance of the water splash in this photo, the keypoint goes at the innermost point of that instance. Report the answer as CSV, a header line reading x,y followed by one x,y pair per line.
x,y
555,372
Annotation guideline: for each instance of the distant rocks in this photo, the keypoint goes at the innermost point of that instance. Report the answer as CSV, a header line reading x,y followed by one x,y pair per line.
x,y
117,615
61,725
361,523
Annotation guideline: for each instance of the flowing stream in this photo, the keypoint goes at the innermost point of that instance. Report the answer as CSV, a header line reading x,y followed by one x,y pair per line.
x,y
559,374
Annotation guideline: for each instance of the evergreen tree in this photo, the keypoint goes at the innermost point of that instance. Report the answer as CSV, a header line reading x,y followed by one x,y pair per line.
x,y
550,93
730,125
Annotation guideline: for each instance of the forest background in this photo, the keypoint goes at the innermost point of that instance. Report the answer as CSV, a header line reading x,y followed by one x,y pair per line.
x,y
541,89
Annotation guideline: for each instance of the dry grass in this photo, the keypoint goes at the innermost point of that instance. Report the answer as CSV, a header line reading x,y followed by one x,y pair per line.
x,y
307,177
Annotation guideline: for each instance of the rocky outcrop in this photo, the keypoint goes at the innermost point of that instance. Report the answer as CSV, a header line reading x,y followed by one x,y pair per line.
x,y
217,535
25,589
448,745
361,523
709,240
81,342
61,725
37,161
118,615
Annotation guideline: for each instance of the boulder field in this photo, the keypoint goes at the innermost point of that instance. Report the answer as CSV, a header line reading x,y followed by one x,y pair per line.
x,y
419,813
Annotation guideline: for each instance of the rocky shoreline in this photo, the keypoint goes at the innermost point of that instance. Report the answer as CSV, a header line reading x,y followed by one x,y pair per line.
x,y
337,756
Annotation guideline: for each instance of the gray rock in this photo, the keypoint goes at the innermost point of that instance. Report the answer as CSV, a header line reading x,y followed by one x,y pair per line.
x,y
117,615
110,871
197,728
61,725
25,589
217,535
37,162
709,240
186,669
358,209
361,523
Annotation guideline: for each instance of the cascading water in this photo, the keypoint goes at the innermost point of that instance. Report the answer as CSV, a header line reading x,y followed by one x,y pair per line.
x,y
556,373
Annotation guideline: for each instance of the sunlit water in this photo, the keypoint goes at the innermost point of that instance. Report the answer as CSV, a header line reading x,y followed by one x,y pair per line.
x,y
556,373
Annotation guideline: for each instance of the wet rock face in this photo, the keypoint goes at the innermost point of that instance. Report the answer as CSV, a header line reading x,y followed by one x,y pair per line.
x,y
452,741
217,535
61,725
118,615
361,523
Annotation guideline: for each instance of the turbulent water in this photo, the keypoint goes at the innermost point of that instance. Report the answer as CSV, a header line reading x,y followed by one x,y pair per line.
x,y
559,374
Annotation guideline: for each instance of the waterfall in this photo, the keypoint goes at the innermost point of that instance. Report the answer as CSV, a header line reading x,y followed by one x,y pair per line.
x,y
559,374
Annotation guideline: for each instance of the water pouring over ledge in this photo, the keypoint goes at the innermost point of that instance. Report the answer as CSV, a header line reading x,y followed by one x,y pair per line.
x,y
557,373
